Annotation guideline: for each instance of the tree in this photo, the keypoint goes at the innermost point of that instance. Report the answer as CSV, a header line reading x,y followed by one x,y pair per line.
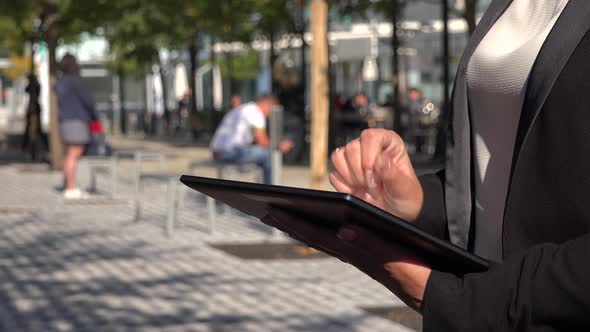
x,y
50,21
135,36
232,21
192,19
320,93
286,18
16,24
275,17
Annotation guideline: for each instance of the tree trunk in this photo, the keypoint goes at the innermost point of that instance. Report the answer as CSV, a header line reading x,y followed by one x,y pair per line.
x,y
55,143
213,110
122,109
229,58
299,111
395,45
164,96
303,73
303,68
33,98
273,59
470,12
320,92
192,51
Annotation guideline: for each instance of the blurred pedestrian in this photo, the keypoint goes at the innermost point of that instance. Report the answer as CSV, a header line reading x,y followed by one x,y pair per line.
x,y
337,102
415,106
352,120
414,100
183,111
241,137
34,140
76,111
236,100
359,104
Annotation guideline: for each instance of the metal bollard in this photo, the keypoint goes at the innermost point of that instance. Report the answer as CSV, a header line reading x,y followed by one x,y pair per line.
x,y
276,134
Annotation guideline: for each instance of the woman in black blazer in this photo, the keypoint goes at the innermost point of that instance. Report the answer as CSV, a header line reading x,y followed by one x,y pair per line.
x,y
542,279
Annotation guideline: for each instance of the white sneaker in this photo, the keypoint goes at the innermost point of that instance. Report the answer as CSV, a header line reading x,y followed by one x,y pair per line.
x,y
75,194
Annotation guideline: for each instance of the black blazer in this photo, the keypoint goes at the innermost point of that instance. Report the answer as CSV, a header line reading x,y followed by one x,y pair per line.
x,y
543,284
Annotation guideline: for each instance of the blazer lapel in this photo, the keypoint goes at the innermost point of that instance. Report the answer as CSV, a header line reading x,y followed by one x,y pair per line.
x,y
561,42
458,162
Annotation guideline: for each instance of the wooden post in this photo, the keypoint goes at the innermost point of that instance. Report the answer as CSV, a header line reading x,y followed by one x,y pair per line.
x,y
55,143
319,93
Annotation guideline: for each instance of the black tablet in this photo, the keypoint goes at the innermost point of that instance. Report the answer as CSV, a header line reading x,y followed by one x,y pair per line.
x,y
332,209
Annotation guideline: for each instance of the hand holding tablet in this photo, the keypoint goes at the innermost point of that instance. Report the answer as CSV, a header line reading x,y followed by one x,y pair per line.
x,y
365,223
391,265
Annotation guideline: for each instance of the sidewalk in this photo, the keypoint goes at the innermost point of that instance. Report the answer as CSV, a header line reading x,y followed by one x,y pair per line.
x,y
86,266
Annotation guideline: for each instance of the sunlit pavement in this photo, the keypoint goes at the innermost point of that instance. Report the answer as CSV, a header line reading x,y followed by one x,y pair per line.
x,y
86,266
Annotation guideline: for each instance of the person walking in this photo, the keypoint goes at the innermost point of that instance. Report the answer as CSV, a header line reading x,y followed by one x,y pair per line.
x,y
76,111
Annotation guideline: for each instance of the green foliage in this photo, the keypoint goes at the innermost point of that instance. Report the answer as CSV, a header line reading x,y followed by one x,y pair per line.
x,y
136,32
244,66
137,29
142,27
72,18
274,16
230,20
387,8
16,21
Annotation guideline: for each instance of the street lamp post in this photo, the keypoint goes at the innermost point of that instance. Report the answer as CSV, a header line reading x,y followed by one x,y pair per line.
x,y
370,66
445,55
440,150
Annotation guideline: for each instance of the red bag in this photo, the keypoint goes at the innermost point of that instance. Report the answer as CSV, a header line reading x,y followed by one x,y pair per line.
x,y
96,127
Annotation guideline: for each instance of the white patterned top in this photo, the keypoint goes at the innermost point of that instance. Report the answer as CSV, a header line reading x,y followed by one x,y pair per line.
x,y
497,76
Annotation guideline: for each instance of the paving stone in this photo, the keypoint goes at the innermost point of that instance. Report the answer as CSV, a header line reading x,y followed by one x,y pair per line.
x,y
89,267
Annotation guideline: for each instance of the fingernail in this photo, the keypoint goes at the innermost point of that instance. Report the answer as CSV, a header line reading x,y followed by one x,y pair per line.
x,y
370,179
347,234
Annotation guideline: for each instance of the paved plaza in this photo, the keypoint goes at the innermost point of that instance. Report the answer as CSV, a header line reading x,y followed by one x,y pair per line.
x,y
87,266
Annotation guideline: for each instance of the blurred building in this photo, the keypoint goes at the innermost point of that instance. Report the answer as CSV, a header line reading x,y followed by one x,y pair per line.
x,y
356,40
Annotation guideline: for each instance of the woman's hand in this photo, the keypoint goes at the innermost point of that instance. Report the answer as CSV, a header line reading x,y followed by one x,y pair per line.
x,y
383,261
376,168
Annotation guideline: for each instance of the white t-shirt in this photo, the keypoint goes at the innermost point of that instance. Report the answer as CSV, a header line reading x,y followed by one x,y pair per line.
x,y
236,128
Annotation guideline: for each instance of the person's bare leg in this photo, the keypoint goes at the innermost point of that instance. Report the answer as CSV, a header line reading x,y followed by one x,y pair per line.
x,y
73,154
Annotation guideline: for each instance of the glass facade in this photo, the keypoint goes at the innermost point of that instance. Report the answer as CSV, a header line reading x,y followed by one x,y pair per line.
x,y
420,52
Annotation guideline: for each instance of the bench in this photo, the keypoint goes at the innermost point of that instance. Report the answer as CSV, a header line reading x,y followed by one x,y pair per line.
x,y
110,164
95,164
175,198
176,191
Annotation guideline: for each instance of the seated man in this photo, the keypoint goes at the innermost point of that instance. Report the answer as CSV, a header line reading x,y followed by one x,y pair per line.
x,y
241,137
